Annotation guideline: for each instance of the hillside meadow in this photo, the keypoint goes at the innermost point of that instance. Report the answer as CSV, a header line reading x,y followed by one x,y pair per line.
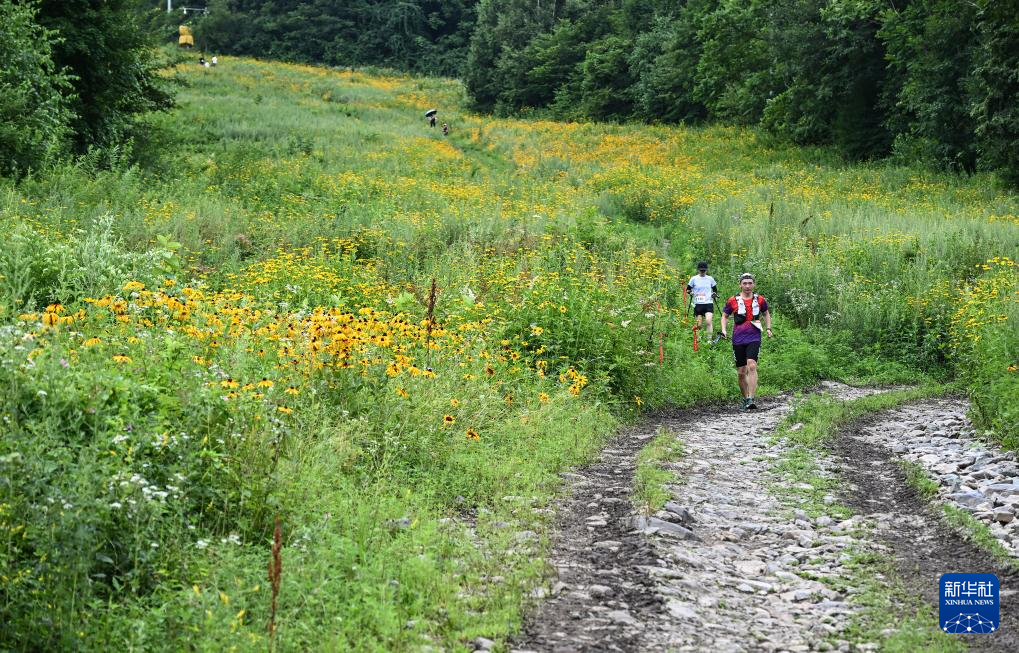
x,y
294,301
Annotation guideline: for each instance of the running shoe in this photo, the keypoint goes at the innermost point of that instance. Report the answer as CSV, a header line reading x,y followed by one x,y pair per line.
x,y
751,404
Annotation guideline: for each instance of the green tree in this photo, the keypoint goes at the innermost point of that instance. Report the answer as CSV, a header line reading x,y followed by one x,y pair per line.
x,y
857,71
504,28
34,117
548,71
930,46
664,63
803,109
606,80
111,63
829,75
996,87
734,70
429,36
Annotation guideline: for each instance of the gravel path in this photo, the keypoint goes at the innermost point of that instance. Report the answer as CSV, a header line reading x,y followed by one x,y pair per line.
x,y
714,571
975,476
752,579
727,566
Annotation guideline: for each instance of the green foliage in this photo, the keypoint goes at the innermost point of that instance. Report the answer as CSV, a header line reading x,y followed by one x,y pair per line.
x,y
425,36
857,73
36,270
863,77
112,67
979,533
732,69
996,105
75,75
918,479
34,114
543,73
988,355
605,80
930,47
929,81
957,518
889,612
503,29
663,62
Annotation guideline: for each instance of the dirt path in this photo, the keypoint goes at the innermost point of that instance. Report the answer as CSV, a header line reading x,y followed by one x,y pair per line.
x,y
726,567
922,548
711,572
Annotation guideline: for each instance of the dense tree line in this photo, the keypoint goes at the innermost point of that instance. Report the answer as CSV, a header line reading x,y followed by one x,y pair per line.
x,y
928,80
74,74
429,36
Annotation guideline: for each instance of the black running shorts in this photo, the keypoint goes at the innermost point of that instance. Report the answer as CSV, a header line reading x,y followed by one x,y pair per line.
x,y
703,309
742,353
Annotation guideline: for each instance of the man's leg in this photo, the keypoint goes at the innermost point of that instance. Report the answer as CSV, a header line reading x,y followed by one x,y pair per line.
x,y
711,326
750,378
742,379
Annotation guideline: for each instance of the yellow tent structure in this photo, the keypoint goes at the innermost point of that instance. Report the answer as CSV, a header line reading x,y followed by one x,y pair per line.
x,y
186,39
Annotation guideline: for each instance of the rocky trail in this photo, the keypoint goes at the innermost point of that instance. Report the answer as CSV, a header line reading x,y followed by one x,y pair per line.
x,y
973,476
728,565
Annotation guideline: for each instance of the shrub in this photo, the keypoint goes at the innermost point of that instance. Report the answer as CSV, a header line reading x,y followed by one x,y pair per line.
x,y
34,113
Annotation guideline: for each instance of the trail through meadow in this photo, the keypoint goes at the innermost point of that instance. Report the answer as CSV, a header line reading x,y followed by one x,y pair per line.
x,y
293,299
730,564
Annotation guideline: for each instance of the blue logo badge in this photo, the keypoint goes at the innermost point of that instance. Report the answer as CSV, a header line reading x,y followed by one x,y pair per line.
x,y
969,603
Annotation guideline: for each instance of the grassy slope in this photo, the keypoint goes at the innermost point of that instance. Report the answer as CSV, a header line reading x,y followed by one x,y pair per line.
x,y
274,189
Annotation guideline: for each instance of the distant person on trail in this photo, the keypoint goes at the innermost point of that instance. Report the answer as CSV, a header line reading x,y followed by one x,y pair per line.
x,y
445,129
431,120
746,309
703,290
201,61
214,60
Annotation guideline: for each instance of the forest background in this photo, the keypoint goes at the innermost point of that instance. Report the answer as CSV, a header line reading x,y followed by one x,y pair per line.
x,y
926,81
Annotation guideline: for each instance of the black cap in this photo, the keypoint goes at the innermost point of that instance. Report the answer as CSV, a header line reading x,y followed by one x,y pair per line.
x,y
703,265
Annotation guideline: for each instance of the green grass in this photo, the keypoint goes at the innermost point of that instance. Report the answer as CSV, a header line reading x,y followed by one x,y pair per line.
x,y
275,194
888,613
978,532
651,477
810,428
918,479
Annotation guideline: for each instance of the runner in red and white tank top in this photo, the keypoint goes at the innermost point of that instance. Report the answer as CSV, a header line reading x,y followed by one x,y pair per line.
x,y
747,310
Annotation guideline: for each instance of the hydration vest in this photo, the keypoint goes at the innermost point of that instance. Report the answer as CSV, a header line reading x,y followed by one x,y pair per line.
x,y
739,316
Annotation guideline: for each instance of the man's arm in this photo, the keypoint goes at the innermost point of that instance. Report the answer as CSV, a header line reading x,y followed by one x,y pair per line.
x,y
767,322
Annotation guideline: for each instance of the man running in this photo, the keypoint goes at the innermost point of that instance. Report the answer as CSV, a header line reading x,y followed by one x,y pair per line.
x,y
746,309
703,290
